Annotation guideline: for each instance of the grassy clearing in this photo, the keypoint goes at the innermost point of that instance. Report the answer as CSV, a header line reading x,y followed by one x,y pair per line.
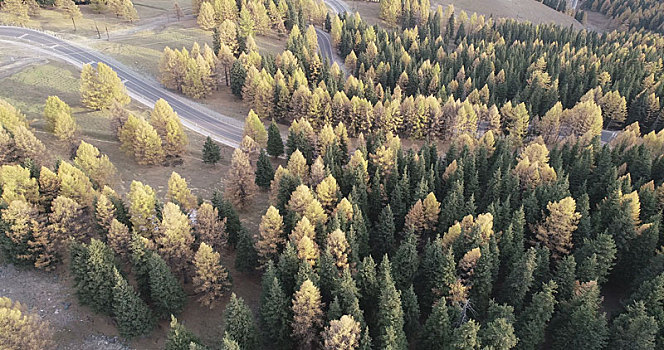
x,y
522,10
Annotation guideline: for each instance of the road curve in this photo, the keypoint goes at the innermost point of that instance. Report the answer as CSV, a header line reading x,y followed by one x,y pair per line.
x,y
145,90
325,40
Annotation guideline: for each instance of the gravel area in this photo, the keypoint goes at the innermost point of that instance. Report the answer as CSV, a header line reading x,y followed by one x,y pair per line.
x,y
49,294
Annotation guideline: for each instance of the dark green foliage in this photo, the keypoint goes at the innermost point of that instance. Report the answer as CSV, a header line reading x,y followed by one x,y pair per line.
x,y
651,293
634,329
411,312
534,319
437,330
565,277
465,337
437,272
264,171
390,313
328,275
227,211
334,311
240,324
211,152
166,293
287,268
405,262
246,258
581,324
92,267
131,314
238,76
520,279
596,258
179,337
275,145
498,334
274,315
482,279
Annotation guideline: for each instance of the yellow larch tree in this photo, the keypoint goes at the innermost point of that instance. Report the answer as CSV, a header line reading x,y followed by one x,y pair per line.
x,y
339,248
101,87
94,164
27,144
175,239
59,119
20,329
318,172
104,212
66,220
211,279
328,193
179,193
307,314
119,238
342,334
254,128
555,231
304,203
75,184
209,228
49,186
240,183
297,165
169,128
142,209
17,184
271,236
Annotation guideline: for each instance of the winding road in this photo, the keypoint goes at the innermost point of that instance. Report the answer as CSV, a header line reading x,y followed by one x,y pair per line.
x,y
325,40
143,89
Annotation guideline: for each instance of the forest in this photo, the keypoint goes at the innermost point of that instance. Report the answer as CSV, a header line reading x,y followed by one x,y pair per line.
x,y
446,187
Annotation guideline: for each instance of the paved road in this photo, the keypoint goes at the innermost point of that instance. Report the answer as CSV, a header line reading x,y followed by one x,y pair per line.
x,y
325,40
145,90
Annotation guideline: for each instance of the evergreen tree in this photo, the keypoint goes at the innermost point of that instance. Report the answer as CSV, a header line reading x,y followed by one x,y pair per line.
x,y
581,323
436,274
634,329
274,313
166,292
131,314
211,152
179,337
240,325
465,336
93,270
533,322
264,171
437,329
275,145
246,258
406,262
520,279
383,236
390,314
411,312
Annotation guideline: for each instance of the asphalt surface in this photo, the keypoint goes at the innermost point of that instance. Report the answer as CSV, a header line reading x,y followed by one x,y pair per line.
x,y
325,40
145,90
